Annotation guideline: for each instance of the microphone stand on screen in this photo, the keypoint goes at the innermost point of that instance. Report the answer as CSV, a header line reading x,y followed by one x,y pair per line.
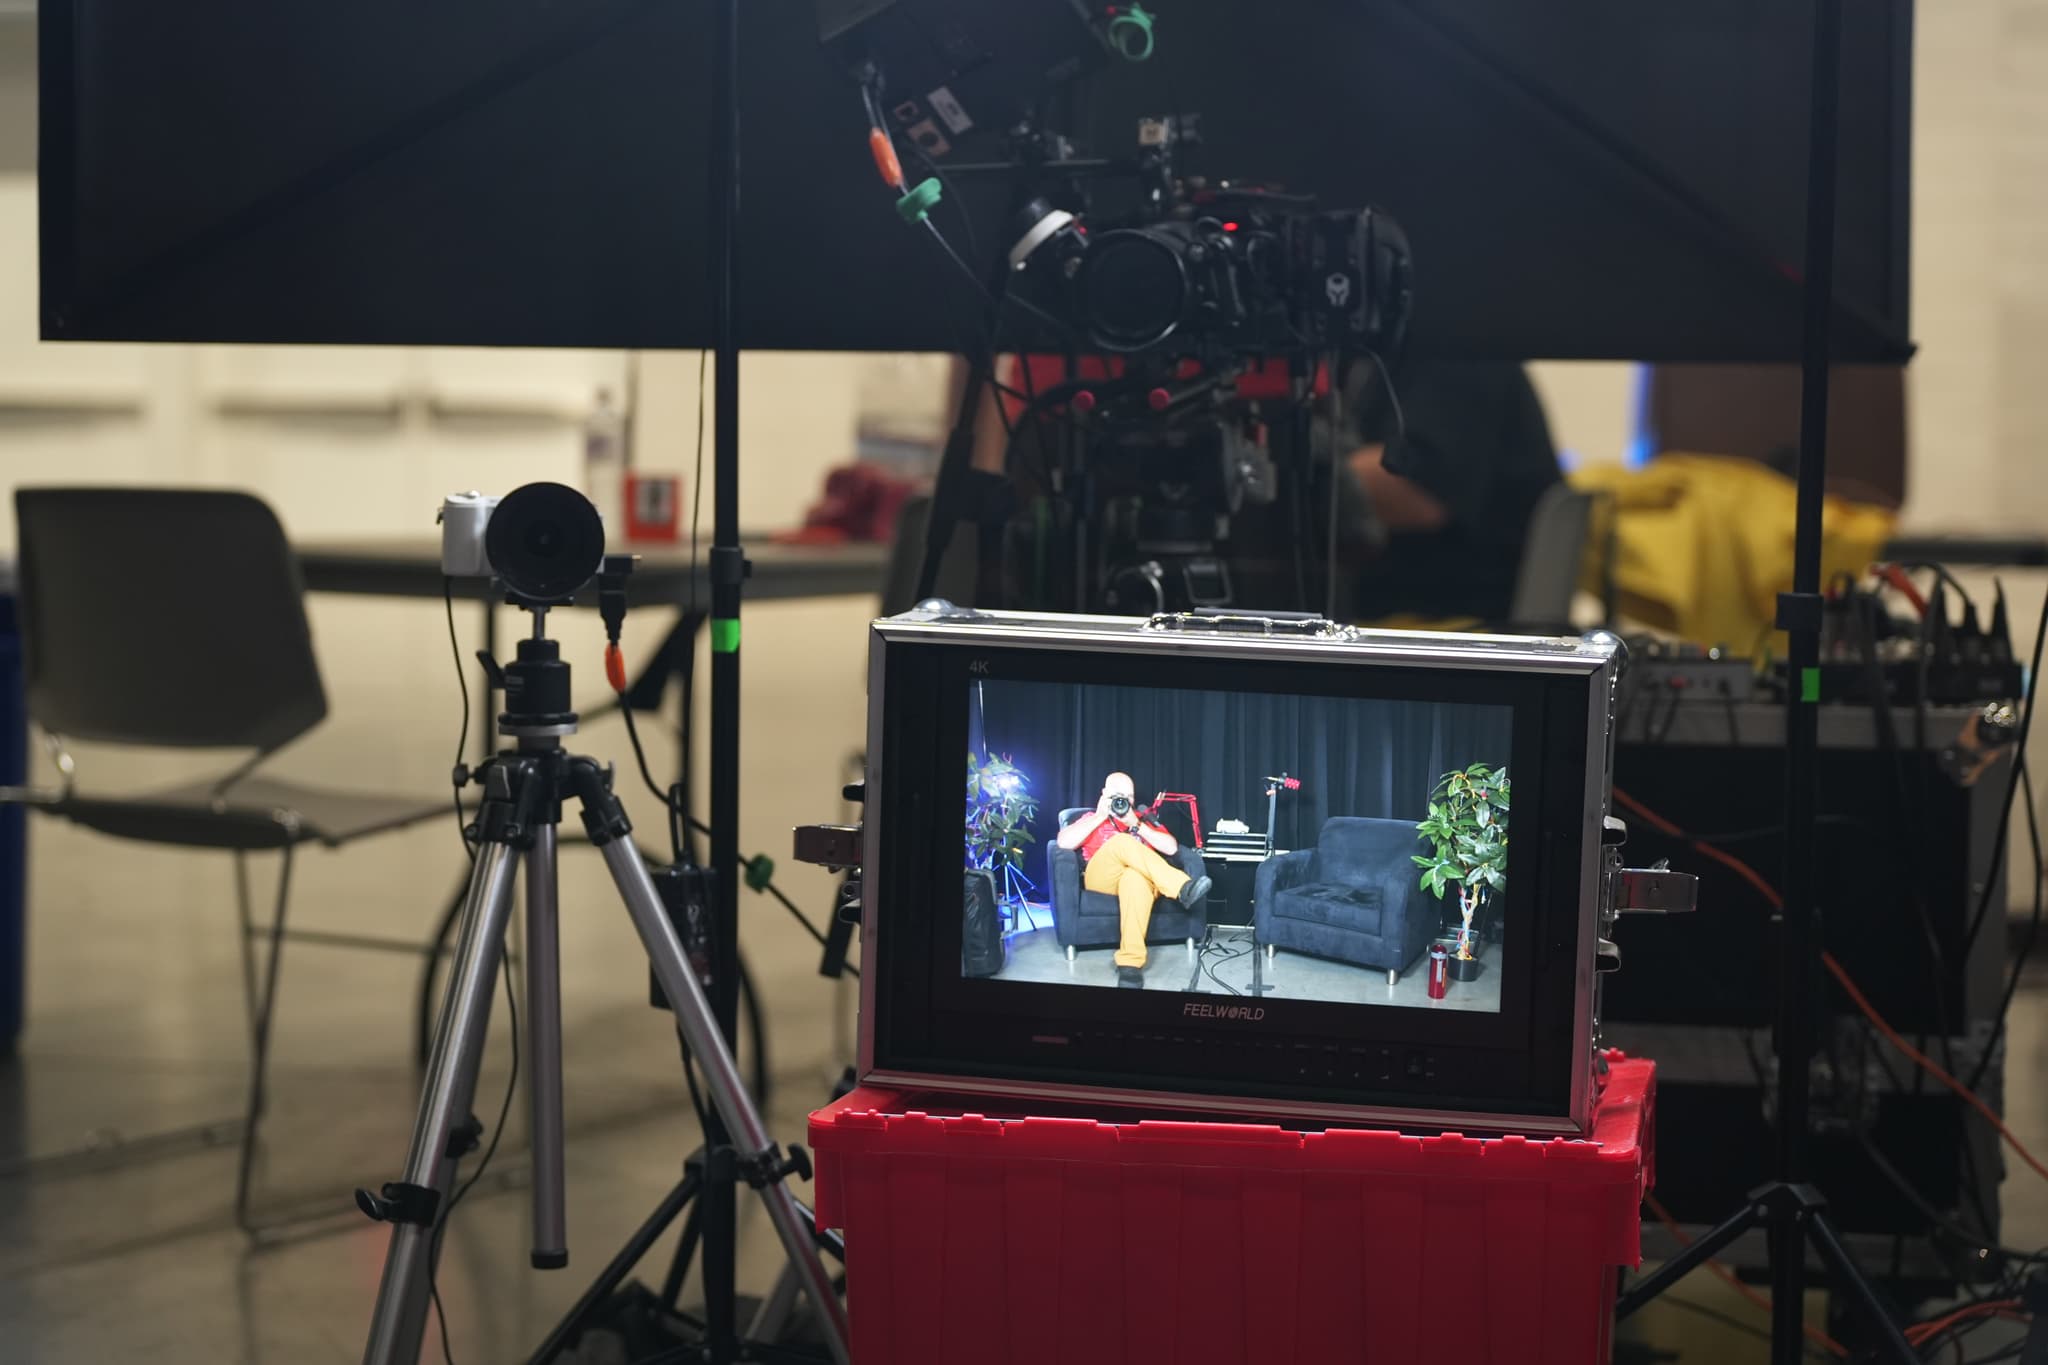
x,y
1274,786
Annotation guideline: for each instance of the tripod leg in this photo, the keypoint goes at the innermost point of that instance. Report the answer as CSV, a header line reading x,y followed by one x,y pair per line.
x,y
400,1321
544,1049
571,1327
679,1264
430,972
728,1093
771,1319
1891,1342
1690,1259
1788,1299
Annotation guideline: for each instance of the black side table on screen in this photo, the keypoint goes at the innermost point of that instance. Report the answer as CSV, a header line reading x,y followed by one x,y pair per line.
x,y
1232,860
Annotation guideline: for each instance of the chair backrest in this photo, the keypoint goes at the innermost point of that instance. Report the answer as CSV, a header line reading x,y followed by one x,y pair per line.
x,y
1365,850
1549,573
165,617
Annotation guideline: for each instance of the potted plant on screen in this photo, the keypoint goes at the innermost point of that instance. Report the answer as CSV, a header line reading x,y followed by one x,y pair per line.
x,y
1000,809
1467,833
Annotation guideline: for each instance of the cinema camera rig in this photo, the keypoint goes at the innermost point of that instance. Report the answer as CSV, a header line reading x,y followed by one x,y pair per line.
x,y
1217,315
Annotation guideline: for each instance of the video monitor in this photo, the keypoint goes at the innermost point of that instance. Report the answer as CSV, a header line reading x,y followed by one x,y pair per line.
x,y
1249,845
1243,865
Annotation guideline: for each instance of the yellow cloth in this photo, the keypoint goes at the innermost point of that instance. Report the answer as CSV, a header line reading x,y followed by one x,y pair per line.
x,y
1703,544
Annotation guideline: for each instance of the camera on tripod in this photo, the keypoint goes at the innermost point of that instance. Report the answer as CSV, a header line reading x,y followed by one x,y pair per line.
x,y
542,541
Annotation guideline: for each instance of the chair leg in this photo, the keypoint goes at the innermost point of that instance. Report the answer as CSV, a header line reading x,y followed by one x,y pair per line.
x,y
248,927
1191,945
259,1058
1269,952
1393,975
1070,954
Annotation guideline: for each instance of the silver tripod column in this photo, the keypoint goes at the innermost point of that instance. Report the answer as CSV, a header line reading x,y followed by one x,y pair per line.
x,y
758,1153
416,1206
544,1049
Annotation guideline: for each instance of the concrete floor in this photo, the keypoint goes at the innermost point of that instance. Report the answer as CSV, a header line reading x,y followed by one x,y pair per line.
x,y
1222,965
136,1029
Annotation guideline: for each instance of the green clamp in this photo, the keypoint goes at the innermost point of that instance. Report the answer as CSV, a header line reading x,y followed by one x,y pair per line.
x,y
1130,32
919,200
760,872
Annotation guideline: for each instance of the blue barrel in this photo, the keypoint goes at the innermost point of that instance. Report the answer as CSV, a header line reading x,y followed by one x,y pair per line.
x,y
13,822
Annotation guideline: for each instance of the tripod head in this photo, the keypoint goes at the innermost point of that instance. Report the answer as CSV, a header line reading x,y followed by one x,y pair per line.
x,y
536,683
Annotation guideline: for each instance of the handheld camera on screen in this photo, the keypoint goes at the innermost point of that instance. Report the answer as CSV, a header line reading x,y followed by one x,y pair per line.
x,y
1416,939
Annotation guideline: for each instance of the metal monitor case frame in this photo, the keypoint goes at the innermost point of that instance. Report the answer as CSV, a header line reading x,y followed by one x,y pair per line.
x,y
1593,660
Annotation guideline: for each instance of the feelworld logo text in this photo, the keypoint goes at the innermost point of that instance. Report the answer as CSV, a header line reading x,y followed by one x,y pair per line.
x,y
1246,1014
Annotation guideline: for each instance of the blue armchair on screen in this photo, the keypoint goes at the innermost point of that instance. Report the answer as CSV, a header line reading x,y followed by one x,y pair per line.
x,y
1353,897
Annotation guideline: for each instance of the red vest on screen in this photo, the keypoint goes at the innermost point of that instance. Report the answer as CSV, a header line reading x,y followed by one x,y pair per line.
x,y
1106,831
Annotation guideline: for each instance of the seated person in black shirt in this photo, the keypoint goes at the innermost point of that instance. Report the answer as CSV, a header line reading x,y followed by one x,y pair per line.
x,y
1437,501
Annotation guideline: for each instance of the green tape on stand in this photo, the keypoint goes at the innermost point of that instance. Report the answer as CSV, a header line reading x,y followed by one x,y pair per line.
x,y
725,635
1809,684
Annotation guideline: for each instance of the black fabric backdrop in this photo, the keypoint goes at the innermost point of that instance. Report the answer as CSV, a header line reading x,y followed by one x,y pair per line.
x,y
1354,757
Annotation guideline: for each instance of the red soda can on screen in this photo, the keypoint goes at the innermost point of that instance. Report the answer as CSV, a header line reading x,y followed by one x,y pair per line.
x,y
1439,971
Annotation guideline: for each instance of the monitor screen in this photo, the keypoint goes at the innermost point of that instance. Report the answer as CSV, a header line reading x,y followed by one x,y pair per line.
x,y
1195,871
1252,846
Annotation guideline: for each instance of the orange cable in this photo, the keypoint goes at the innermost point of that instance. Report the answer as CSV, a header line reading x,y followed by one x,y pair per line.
x,y
1835,969
1967,1095
1813,1334
1921,1332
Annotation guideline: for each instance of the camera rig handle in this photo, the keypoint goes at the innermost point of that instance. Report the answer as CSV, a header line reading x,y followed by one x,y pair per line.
x,y
1652,890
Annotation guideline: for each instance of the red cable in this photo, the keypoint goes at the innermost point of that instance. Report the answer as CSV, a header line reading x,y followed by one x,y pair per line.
x,y
1835,969
1903,581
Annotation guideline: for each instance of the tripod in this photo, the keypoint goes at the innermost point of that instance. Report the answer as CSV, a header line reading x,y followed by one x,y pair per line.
x,y
524,791
1789,1209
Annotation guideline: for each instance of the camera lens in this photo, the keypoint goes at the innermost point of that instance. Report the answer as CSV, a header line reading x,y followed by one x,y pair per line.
x,y
1120,804
545,541
1134,288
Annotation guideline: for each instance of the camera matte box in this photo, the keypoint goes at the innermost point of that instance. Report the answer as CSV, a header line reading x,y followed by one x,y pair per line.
x,y
1514,1053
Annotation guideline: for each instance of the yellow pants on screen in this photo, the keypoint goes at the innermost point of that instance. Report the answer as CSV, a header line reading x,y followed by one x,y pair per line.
x,y
1134,872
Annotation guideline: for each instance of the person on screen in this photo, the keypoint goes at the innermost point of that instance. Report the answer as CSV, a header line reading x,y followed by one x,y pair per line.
x,y
1125,856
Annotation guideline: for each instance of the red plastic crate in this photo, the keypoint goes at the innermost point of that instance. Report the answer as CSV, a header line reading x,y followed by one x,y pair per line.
x,y
974,1240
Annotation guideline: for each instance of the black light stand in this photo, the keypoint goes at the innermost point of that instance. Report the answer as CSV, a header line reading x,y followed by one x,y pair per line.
x,y
707,1195
716,1207
1792,1212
